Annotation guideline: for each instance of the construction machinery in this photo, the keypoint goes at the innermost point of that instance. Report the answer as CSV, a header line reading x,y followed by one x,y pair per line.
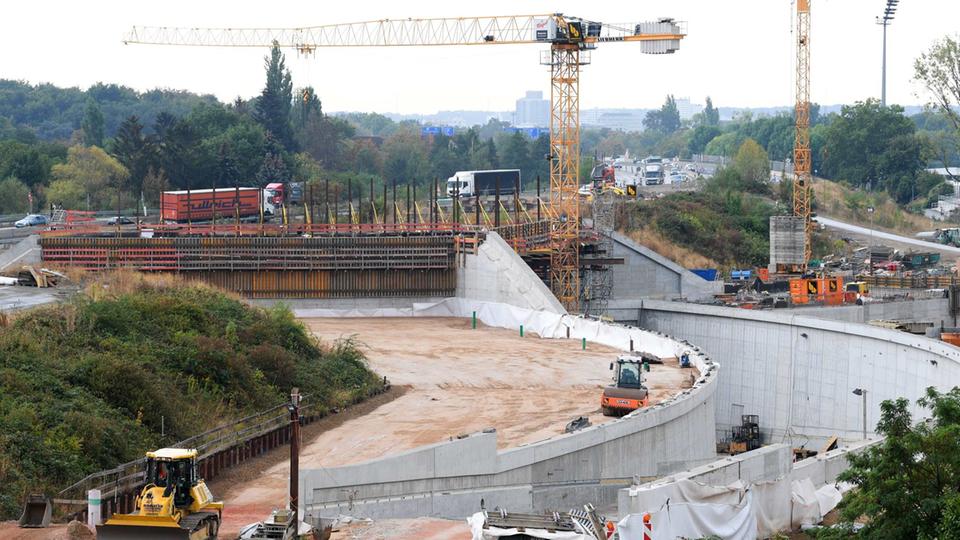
x,y
571,39
174,504
627,393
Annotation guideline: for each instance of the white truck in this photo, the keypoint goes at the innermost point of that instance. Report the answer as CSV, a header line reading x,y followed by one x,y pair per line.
x,y
472,183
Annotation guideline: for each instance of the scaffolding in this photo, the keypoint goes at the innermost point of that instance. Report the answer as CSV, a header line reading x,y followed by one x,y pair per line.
x,y
598,276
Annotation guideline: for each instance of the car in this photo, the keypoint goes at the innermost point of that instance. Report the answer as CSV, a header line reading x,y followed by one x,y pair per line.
x,y
32,220
120,220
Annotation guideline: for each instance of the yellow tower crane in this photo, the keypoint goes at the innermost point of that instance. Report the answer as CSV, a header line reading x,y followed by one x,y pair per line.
x,y
802,166
570,38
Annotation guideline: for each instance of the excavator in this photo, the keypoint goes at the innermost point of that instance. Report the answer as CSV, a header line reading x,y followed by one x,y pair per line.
x,y
175,503
627,393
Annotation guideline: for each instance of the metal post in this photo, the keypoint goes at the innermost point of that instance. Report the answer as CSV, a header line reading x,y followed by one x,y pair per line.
x,y
456,202
326,196
372,201
294,408
394,201
408,203
414,202
538,197
433,207
350,200
478,208
384,213
496,204
883,90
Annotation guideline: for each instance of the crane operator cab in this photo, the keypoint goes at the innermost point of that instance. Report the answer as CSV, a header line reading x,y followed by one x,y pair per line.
x,y
627,393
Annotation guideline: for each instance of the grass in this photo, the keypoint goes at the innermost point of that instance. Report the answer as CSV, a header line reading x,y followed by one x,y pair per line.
x,y
87,384
843,203
683,256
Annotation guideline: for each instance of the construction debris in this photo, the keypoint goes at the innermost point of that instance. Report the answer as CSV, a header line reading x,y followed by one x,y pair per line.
x,y
584,524
577,424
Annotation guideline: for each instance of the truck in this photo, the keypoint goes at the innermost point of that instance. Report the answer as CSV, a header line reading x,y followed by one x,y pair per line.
x,y
288,193
653,174
199,205
473,183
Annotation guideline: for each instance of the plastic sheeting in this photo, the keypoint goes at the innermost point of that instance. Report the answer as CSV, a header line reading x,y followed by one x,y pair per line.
x,y
688,509
479,533
730,516
543,323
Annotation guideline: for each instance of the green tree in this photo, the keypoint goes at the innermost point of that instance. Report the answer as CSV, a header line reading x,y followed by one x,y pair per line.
x,y
666,120
753,166
711,115
701,136
514,154
92,125
938,70
876,147
14,196
907,485
306,107
276,99
273,168
405,157
484,156
135,151
89,174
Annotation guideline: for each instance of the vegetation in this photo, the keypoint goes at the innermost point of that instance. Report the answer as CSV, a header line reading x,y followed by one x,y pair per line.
x,y
728,221
907,485
87,385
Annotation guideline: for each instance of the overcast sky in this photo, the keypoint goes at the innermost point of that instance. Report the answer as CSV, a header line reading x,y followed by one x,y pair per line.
x,y
740,52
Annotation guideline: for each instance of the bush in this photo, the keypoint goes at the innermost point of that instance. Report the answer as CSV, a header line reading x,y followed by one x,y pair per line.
x,y
86,385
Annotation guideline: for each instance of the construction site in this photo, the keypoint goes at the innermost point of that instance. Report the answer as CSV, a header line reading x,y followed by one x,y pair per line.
x,y
543,374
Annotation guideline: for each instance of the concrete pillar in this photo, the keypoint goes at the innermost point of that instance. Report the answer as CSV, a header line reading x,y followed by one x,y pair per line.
x,y
93,507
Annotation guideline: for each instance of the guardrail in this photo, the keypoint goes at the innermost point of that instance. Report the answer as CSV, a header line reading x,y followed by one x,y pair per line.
x,y
218,449
911,282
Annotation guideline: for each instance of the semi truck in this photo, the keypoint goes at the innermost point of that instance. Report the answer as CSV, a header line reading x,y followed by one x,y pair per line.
x,y
289,193
201,204
473,183
653,174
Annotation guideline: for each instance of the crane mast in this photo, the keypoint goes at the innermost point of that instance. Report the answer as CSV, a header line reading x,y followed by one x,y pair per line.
x,y
802,166
570,40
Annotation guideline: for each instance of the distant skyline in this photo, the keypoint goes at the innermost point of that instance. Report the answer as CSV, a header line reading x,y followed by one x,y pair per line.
x,y
739,53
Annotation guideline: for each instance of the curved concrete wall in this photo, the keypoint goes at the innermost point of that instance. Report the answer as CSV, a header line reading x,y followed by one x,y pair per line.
x,y
450,479
798,372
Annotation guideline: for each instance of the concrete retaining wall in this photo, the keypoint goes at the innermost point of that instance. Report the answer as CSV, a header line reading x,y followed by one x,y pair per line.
x,y
647,274
451,479
797,373
497,274
767,464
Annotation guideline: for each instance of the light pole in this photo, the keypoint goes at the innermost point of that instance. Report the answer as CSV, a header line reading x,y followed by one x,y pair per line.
x,y
885,21
863,392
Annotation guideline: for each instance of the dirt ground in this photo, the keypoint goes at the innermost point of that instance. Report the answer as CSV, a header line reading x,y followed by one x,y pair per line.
x,y
448,379
457,380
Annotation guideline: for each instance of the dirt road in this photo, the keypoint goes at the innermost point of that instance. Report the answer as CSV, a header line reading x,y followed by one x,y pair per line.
x,y
457,380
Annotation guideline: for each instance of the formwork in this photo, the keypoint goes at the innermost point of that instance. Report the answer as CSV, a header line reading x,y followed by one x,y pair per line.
x,y
277,267
787,239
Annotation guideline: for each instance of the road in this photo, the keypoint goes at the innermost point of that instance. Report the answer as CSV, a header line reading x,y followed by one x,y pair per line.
x,y
881,235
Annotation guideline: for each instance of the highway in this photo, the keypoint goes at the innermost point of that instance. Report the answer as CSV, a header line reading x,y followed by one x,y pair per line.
x,y
881,235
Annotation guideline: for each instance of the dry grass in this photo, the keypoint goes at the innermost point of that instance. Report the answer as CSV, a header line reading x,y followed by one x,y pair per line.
x,y
678,254
111,284
845,204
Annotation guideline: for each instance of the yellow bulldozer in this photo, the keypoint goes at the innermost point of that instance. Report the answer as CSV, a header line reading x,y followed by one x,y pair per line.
x,y
174,504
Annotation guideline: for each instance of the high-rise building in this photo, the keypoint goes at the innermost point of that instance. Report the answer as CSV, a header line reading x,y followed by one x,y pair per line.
x,y
532,111
687,109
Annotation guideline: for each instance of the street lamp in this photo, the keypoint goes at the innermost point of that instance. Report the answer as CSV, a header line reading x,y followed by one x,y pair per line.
x,y
863,392
885,21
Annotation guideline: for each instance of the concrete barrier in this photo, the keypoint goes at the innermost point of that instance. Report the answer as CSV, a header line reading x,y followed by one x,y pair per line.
x,y
797,373
451,479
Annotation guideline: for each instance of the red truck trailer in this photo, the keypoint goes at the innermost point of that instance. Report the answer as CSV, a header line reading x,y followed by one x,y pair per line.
x,y
200,204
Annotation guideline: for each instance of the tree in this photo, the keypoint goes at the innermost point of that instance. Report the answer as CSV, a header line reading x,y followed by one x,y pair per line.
x,y
405,157
701,136
875,147
272,168
325,139
276,99
89,174
135,151
753,166
938,70
14,196
306,107
666,120
907,483
711,116
515,152
92,125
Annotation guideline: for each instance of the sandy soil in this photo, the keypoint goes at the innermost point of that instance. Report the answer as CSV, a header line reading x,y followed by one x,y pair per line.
x,y
457,380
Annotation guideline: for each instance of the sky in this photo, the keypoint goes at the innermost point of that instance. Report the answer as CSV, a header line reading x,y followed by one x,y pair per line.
x,y
739,52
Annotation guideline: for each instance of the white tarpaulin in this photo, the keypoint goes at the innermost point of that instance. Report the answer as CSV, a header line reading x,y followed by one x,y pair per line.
x,y
695,520
542,323
685,508
479,533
